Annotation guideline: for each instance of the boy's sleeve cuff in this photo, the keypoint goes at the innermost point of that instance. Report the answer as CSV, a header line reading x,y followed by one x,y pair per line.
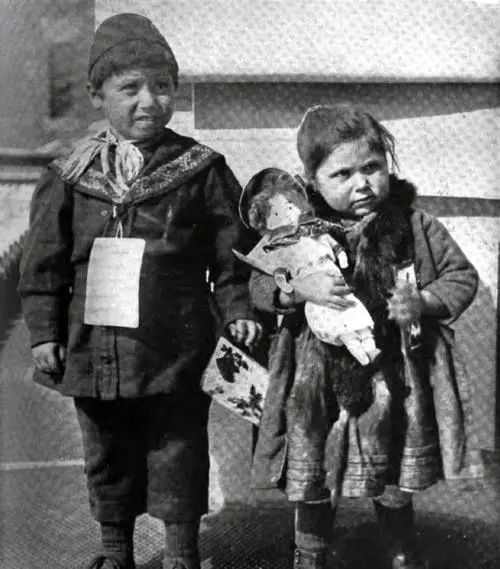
x,y
44,336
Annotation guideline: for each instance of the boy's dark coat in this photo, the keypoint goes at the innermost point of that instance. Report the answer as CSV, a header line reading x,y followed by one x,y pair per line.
x,y
185,205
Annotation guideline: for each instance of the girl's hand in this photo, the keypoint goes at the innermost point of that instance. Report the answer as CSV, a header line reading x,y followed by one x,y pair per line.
x,y
326,288
49,357
404,304
246,332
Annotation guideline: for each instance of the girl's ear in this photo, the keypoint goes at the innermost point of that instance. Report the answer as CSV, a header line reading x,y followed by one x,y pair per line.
x,y
391,163
95,96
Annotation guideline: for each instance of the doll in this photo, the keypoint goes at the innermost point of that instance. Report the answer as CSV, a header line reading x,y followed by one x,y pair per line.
x,y
294,243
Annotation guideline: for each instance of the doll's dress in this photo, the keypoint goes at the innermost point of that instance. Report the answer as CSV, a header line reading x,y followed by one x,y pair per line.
x,y
302,250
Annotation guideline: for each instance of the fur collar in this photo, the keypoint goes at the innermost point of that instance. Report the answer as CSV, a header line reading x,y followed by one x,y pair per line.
x,y
376,243
381,241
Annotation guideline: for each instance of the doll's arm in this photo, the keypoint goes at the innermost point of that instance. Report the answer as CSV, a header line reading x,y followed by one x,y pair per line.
x,y
267,296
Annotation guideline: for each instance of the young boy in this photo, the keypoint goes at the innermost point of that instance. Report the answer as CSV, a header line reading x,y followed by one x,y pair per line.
x,y
116,299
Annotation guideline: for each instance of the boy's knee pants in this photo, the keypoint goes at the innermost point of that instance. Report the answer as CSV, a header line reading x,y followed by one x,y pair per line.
x,y
147,454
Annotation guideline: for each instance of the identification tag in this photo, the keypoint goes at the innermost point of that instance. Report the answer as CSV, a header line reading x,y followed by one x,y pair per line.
x,y
112,297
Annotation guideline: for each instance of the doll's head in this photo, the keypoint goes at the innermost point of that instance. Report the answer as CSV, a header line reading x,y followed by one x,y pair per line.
x,y
346,155
273,198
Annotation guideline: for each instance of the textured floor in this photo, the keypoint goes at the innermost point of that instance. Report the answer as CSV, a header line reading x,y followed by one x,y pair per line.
x,y
44,520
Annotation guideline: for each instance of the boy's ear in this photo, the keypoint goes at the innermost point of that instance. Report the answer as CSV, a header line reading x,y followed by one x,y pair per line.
x,y
95,96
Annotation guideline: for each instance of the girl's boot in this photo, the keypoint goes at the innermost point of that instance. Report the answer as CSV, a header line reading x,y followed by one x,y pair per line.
x,y
181,546
304,559
398,528
313,534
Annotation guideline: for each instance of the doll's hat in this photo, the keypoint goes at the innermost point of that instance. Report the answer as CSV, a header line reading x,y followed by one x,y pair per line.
x,y
266,179
127,27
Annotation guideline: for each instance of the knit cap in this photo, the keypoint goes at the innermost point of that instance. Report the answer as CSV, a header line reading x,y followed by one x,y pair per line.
x,y
127,27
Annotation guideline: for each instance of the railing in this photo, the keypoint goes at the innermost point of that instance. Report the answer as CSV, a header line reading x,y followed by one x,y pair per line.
x,y
19,171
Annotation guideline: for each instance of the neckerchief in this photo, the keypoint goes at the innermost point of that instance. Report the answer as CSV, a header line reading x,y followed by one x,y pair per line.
x,y
128,160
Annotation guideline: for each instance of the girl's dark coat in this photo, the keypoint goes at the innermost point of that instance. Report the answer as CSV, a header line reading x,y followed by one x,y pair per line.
x,y
442,269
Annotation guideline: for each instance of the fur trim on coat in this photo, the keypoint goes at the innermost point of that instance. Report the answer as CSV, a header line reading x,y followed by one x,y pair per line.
x,y
375,246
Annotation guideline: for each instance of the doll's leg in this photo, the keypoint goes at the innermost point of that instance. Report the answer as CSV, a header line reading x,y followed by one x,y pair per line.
x,y
395,514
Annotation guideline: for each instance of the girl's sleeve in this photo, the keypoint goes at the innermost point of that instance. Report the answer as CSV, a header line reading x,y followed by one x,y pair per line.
x,y
45,269
228,275
457,279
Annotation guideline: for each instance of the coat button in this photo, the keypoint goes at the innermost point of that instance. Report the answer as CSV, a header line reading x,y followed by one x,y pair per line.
x,y
106,360
104,212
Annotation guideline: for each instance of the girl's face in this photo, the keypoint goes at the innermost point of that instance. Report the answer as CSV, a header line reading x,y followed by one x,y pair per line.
x,y
354,179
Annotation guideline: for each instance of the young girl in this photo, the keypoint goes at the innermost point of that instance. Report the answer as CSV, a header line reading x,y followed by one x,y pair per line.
x,y
332,427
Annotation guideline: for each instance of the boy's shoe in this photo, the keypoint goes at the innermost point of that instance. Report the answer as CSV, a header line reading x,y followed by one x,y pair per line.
x,y
109,562
191,562
308,560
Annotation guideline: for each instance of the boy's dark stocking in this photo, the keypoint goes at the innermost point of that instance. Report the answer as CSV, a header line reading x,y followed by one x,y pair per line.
x,y
397,525
118,543
181,545
313,534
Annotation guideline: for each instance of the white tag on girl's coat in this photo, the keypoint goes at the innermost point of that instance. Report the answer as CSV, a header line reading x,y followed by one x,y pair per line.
x,y
112,297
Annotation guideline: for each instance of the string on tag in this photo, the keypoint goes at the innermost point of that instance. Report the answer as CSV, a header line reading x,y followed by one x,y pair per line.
x,y
119,230
119,226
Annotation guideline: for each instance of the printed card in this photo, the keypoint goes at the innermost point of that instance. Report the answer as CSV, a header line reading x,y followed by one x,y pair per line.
x,y
236,381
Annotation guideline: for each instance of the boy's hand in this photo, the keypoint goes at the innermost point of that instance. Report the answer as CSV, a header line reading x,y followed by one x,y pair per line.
x,y
326,288
247,332
49,357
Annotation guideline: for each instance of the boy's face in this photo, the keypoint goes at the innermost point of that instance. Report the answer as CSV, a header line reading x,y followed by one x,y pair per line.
x,y
354,179
138,102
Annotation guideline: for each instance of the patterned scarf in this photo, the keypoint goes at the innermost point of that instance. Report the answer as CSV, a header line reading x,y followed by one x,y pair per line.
x,y
128,160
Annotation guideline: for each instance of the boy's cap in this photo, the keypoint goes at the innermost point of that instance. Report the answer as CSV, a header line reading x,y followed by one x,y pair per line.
x,y
267,178
123,28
